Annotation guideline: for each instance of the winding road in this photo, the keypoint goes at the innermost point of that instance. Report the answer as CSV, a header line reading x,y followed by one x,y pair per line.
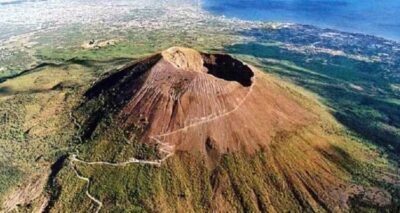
x,y
164,147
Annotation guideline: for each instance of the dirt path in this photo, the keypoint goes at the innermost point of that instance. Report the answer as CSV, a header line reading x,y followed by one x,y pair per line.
x,y
164,147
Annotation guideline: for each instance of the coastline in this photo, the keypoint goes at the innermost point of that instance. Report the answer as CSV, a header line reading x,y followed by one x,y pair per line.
x,y
336,20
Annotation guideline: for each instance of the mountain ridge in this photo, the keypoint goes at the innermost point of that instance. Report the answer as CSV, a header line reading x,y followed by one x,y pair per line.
x,y
197,138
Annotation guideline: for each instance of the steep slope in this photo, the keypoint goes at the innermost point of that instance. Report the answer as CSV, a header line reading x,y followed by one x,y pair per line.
x,y
185,93
186,131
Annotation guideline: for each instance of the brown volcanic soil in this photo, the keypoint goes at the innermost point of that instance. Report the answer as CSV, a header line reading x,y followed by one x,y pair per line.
x,y
200,102
266,146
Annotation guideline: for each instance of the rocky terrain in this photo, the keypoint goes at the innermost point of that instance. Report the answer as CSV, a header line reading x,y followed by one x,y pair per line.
x,y
192,131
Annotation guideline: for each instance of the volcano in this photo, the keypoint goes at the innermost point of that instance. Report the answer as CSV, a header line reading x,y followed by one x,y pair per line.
x,y
201,102
186,131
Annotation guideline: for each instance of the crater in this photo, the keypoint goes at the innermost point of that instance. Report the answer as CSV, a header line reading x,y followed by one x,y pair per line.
x,y
192,88
218,65
228,68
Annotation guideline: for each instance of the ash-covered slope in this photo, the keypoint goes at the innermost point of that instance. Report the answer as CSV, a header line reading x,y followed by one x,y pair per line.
x,y
196,102
192,132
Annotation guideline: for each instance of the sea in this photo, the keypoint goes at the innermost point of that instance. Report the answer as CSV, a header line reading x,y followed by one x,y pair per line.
x,y
374,17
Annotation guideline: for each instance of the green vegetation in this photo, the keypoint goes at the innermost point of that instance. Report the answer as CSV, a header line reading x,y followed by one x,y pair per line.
x,y
184,183
297,172
359,98
35,128
15,63
134,45
359,93
9,177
